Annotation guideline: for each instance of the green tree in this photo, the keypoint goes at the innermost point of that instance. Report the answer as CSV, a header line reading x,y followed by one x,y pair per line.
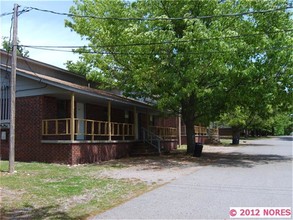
x,y
21,51
79,67
186,62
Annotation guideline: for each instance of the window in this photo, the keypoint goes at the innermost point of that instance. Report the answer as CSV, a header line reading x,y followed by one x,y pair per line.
x,y
3,135
5,102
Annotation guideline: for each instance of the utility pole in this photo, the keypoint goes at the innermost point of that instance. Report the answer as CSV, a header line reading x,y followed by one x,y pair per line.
x,y
12,92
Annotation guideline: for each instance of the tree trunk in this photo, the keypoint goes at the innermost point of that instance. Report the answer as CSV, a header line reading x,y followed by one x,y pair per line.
x,y
235,135
190,136
188,108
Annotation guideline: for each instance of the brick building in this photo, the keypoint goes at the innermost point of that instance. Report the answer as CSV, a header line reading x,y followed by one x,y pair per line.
x,y
62,118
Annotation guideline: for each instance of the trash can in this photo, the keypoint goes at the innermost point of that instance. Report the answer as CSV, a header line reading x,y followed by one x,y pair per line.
x,y
197,149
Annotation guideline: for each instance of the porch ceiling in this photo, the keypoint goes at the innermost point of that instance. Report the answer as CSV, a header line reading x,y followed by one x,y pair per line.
x,y
84,98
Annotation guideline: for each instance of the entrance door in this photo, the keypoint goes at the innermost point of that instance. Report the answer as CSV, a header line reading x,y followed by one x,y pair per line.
x,y
80,116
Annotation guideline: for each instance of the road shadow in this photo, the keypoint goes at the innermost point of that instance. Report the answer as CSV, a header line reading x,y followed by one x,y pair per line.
x,y
30,212
181,160
286,138
255,145
243,160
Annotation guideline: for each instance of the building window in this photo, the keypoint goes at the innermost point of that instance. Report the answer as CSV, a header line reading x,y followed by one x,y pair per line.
x,y
5,104
3,135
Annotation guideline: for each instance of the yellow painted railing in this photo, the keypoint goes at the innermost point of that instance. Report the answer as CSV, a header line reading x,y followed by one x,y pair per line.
x,y
56,126
86,127
164,132
198,131
202,131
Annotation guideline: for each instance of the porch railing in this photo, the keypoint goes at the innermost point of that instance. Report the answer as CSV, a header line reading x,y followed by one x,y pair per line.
x,y
198,131
166,133
87,127
151,139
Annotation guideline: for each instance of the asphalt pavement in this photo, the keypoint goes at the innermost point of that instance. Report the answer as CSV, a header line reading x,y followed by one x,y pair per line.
x,y
256,175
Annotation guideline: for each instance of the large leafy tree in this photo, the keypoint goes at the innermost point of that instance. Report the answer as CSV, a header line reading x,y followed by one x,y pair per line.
x,y
185,55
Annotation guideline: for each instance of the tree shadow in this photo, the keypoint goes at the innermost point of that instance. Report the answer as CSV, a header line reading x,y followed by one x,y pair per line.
x,y
286,138
250,144
243,160
179,159
30,212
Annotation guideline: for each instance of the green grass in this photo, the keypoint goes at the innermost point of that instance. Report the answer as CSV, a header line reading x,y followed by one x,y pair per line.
x,y
52,191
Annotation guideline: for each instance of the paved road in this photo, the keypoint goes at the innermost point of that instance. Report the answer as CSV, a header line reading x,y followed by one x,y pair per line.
x,y
259,175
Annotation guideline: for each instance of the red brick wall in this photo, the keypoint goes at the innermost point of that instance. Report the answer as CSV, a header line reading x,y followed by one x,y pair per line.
x,y
56,153
91,153
225,131
167,122
4,146
49,107
28,132
28,118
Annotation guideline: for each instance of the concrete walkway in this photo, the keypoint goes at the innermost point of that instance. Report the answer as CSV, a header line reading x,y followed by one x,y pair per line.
x,y
258,175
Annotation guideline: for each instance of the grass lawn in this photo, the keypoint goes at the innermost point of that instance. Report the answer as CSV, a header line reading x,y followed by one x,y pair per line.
x,y
52,191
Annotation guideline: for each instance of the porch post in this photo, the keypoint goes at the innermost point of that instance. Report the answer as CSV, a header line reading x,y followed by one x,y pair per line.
x,y
109,120
135,123
72,120
179,131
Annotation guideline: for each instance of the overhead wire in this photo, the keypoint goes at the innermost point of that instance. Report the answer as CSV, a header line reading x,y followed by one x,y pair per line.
x,y
61,48
158,18
10,46
155,43
157,53
5,14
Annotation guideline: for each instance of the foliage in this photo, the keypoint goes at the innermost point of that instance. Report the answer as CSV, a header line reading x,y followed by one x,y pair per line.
x,y
278,124
20,50
196,67
78,67
283,124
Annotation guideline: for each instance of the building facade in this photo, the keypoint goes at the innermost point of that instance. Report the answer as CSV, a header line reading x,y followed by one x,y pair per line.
x,y
62,118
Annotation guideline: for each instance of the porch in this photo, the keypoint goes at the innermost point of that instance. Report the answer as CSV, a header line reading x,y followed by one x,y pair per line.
x,y
86,130
93,131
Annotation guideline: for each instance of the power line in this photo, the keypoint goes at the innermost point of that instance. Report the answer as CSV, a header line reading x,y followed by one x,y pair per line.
x,y
157,43
19,12
156,19
5,14
161,52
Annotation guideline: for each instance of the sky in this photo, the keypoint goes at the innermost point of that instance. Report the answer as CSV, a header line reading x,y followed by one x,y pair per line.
x,y
39,28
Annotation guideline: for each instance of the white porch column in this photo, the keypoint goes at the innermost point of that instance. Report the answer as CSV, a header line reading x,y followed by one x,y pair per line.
x,y
109,121
72,115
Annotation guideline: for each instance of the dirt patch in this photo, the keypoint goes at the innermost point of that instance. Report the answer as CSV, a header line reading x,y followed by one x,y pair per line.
x,y
152,173
162,169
